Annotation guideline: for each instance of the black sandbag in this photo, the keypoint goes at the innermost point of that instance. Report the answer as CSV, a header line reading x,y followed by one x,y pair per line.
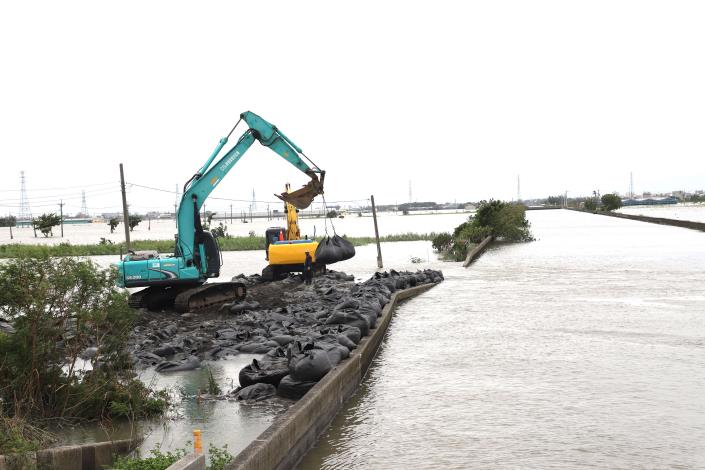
x,y
311,367
346,249
352,318
256,392
294,389
270,372
327,252
336,352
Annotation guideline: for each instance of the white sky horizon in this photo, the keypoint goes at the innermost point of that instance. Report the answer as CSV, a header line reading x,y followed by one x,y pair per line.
x,y
458,98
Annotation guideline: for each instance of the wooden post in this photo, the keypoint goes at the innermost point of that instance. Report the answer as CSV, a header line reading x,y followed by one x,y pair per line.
x,y
11,237
125,215
379,248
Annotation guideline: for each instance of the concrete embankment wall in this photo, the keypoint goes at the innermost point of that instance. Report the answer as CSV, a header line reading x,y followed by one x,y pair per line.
x,y
189,462
477,251
291,435
94,456
654,220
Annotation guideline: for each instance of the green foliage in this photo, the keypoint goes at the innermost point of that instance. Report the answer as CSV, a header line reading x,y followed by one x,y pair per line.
x,y
500,219
18,436
246,243
554,200
590,205
506,220
213,387
218,457
158,460
105,241
442,241
45,222
59,307
611,202
134,221
113,223
332,214
9,221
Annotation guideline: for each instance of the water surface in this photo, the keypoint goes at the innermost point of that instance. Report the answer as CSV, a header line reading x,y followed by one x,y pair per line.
x,y
584,348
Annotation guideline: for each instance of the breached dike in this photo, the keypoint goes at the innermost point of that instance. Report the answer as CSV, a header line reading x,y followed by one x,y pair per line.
x,y
292,434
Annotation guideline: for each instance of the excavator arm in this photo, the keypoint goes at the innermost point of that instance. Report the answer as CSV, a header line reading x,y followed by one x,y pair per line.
x,y
199,187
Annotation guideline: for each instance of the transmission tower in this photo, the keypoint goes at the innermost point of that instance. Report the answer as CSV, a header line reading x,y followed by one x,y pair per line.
x,y
254,203
25,211
410,199
631,185
518,189
84,209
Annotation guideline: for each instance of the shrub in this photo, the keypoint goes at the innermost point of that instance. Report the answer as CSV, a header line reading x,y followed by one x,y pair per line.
x,y
60,307
611,202
442,241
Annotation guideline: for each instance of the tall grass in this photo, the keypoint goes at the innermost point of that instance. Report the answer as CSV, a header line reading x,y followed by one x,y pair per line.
x,y
167,246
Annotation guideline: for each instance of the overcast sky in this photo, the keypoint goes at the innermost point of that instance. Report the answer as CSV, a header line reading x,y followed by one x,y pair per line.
x,y
457,97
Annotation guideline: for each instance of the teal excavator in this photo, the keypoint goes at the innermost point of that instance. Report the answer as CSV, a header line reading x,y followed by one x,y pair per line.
x,y
180,279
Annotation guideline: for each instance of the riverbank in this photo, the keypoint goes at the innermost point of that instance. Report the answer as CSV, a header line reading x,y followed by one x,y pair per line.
x,y
17,250
653,220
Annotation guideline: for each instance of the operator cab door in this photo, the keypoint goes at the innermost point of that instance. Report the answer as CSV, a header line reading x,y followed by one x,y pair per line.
x,y
211,249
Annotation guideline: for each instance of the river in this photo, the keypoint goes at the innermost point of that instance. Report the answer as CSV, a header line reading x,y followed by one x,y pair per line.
x,y
583,348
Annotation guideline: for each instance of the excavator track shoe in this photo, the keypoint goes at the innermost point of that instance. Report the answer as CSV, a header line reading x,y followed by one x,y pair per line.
x,y
208,295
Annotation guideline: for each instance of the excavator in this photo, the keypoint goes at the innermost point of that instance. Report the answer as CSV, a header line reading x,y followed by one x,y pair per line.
x,y
284,248
180,279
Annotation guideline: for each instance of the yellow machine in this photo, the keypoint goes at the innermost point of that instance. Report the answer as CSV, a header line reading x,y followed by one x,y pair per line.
x,y
284,248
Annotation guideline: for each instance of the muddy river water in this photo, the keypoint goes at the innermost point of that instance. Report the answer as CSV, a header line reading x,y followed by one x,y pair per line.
x,y
585,347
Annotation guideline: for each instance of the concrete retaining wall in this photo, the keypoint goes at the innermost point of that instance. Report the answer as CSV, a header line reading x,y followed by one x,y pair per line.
x,y
81,457
654,220
477,251
291,435
189,462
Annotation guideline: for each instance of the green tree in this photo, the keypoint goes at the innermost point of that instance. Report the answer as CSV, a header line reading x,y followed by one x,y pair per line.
x,y
590,205
611,202
60,307
9,221
46,222
113,223
442,241
134,221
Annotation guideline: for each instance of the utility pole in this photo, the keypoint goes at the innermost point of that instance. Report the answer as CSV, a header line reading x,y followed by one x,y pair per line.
x,y
231,214
176,201
125,215
379,248
61,216
11,237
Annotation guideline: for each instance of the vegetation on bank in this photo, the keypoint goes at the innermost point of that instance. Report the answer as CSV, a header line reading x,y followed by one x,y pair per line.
x,y
503,220
66,356
608,203
218,457
105,247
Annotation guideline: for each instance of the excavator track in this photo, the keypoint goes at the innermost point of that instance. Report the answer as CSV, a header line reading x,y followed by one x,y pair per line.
x,y
208,295
155,298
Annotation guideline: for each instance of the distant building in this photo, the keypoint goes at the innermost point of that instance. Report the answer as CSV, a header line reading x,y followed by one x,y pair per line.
x,y
651,201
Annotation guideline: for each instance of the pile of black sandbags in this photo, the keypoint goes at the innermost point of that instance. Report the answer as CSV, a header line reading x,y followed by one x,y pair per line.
x,y
299,341
333,249
301,361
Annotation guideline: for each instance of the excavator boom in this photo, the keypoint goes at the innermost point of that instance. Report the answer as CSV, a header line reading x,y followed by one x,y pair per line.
x,y
178,279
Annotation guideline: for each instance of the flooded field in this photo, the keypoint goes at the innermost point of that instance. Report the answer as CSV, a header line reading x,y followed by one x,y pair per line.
x,y
389,224
692,212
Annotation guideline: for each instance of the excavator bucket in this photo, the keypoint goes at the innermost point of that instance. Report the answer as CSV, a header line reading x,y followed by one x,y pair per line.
x,y
302,198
